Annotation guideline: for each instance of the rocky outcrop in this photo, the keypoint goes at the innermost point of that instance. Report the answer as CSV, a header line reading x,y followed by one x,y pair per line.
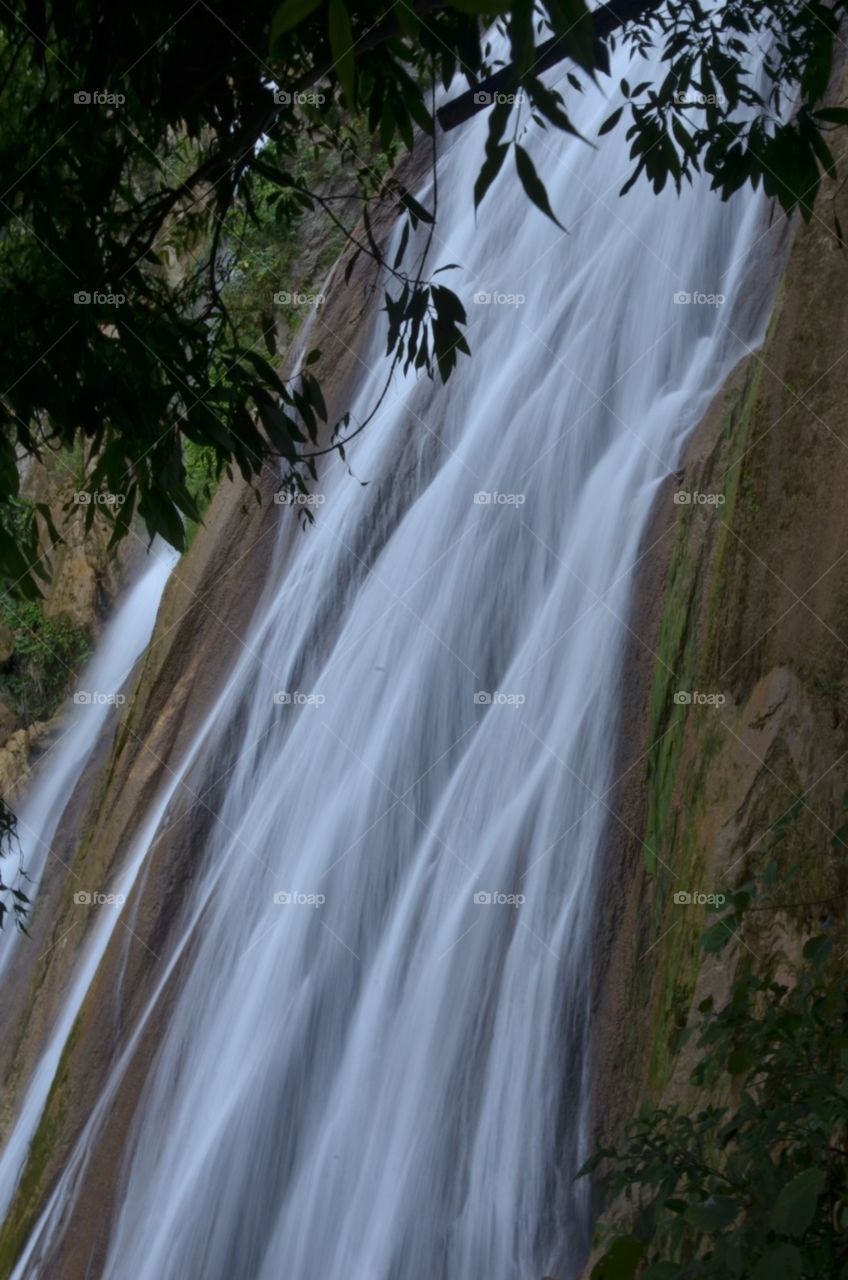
x,y
743,601
84,580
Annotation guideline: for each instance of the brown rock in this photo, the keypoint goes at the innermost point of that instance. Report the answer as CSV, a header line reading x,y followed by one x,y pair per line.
x,y
8,722
7,644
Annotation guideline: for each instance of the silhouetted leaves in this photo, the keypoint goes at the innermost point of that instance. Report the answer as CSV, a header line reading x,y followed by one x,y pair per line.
x,y
533,185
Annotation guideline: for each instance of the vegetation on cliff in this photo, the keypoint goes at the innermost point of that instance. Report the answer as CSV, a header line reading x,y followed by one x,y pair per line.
x,y
755,1185
47,654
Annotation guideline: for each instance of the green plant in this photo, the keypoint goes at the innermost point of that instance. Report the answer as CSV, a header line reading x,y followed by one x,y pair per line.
x,y
754,1183
48,655
203,472
758,1188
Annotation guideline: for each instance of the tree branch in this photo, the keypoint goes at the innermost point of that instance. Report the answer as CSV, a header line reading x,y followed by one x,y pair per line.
x,y
607,19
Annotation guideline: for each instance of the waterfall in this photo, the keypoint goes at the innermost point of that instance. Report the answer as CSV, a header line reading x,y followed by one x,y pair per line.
x,y
42,809
377,1063
59,771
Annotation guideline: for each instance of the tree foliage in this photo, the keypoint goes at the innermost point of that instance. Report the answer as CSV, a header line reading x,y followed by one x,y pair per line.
x,y
754,1188
136,143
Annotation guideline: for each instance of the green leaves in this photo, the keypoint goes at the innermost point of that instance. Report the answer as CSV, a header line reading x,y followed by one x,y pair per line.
x,y
492,165
533,185
117,199
341,47
748,1189
449,314
573,24
832,115
795,1207
414,208
496,151
621,1260
482,8
714,1214
290,15
781,1262
610,122
424,326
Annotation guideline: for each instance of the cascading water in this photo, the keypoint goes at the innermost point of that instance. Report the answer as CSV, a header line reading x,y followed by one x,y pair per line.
x,y
40,813
377,1064
58,773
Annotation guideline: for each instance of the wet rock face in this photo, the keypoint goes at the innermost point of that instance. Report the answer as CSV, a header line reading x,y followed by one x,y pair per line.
x,y
75,589
22,748
8,722
85,580
86,577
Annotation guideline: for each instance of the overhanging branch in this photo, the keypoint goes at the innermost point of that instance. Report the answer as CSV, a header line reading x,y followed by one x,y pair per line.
x,y
607,19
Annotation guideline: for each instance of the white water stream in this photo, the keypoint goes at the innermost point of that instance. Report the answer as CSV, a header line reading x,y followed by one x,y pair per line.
x,y
39,815
375,1068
